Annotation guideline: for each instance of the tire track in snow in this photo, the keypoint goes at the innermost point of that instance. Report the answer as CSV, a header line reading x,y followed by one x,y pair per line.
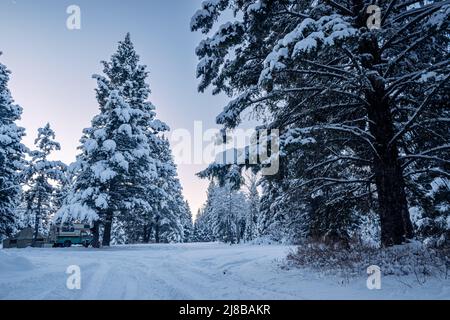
x,y
91,289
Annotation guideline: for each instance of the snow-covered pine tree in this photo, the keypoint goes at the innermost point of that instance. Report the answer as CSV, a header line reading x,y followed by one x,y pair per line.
x,y
203,226
186,221
225,213
367,95
41,179
169,202
117,163
63,188
252,220
282,215
201,232
118,233
432,210
12,153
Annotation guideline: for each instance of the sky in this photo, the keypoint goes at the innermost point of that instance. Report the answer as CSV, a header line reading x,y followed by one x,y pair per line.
x,y
52,67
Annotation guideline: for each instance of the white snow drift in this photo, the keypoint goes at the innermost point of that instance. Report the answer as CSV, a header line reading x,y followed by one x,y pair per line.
x,y
188,271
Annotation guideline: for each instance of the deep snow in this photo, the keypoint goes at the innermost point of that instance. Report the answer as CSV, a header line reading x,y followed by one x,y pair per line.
x,y
188,271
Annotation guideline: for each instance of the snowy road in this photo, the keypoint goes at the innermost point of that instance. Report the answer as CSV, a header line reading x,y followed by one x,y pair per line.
x,y
186,271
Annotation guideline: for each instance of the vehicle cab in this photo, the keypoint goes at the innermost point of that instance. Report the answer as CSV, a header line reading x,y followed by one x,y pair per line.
x,y
68,234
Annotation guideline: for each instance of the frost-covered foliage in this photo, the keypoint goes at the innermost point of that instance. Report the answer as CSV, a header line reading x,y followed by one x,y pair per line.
x,y
43,178
202,230
224,215
432,213
118,233
362,111
120,174
12,153
352,261
187,223
170,208
253,218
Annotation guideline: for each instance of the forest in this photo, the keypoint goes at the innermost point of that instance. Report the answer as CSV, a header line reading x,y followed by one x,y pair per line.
x,y
360,97
358,92
341,191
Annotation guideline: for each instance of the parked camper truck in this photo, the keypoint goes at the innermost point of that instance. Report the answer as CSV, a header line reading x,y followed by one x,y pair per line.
x,y
66,235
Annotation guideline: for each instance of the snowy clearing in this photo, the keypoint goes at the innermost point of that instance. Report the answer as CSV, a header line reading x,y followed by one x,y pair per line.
x,y
188,271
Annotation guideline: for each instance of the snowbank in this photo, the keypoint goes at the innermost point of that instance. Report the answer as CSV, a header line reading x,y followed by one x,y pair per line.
x,y
11,263
352,260
190,271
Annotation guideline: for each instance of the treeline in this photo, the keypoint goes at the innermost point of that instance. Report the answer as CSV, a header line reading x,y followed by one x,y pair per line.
x,y
229,215
360,97
124,180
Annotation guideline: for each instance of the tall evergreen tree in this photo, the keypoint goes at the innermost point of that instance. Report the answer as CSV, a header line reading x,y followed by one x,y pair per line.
x,y
11,156
186,221
253,216
361,98
202,227
224,215
168,202
41,178
117,163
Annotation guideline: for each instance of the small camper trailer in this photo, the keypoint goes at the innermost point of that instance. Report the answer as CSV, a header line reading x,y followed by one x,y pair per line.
x,y
24,239
66,235
61,235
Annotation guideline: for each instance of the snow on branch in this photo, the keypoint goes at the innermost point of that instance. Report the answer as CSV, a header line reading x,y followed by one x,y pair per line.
x,y
341,8
419,110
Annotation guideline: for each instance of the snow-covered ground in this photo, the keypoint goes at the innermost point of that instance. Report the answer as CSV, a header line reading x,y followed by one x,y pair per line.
x,y
188,271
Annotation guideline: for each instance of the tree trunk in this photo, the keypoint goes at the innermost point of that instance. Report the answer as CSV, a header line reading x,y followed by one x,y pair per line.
x,y
396,224
156,224
157,233
37,221
96,234
107,229
146,236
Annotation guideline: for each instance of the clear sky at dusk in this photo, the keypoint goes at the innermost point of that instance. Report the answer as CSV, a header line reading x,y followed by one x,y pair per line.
x,y
52,66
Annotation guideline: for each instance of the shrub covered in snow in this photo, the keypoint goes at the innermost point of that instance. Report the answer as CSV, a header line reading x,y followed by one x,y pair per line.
x,y
353,260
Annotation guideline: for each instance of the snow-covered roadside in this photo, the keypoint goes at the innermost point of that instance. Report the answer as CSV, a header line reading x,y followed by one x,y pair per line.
x,y
188,271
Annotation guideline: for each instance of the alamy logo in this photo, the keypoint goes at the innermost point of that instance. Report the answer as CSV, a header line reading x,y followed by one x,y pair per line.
x,y
74,280
374,278
374,20
73,22
229,147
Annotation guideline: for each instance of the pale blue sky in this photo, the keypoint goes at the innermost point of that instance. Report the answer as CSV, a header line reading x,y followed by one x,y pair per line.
x,y
52,66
